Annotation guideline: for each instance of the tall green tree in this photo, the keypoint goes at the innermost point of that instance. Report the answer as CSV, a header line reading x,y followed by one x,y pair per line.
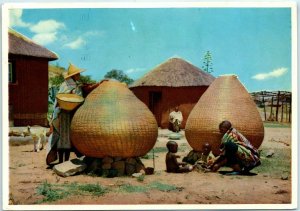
x,y
207,62
86,79
118,75
56,80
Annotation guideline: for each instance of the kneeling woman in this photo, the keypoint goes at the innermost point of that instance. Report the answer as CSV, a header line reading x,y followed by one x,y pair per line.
x,y
236,151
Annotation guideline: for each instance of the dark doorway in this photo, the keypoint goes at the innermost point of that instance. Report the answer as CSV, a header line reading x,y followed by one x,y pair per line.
x,y
154,105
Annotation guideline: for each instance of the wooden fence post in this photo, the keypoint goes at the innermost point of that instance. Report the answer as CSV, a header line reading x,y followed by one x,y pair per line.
x,y
271,112
263,100
281,110
286,112
290,109
277,106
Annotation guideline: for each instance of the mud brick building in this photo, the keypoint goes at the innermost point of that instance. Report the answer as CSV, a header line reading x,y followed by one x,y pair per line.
x,y
28,80
175,82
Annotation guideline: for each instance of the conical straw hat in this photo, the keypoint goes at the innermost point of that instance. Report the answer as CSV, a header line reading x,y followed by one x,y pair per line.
x,y
225,99
113,122
73,70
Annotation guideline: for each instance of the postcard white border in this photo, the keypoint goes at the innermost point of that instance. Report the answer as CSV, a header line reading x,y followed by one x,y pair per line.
x,y
154,4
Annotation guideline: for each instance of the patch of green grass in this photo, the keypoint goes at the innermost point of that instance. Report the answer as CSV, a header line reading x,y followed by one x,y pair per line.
x,y
154,185
276,125
132,188
276,165
94,189
162,187
183,147
147,156
54,192
141,178
51,193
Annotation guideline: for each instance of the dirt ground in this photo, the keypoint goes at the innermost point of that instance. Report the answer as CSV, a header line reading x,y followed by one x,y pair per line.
x,y
28,170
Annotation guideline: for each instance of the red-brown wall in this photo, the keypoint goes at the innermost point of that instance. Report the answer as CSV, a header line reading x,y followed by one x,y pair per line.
x,y
184,97
28,97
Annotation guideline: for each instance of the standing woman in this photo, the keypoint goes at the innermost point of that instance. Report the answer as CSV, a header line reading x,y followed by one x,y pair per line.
x,y
59,142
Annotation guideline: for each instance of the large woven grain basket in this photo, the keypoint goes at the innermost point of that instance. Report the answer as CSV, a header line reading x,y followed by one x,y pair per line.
x,y
225,99
113,122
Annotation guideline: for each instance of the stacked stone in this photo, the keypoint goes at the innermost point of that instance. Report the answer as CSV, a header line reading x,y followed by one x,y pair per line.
x,y
112,167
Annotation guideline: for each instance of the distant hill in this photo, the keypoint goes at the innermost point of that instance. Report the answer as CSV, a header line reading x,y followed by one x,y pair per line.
x,y
55,71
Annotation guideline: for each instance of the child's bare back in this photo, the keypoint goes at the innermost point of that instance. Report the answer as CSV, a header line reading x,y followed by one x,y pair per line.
x,y
171,160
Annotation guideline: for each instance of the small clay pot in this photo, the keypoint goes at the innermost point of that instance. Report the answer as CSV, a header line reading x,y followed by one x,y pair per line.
x,y
149,171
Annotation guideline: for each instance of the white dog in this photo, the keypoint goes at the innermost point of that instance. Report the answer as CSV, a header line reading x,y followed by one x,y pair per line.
x,y
38,135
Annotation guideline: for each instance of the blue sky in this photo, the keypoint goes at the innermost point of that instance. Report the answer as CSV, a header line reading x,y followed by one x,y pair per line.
x,y
253,43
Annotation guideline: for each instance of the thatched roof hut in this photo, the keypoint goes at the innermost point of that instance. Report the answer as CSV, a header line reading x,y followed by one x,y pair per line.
x,y
174,82
28,80
175,72
21,45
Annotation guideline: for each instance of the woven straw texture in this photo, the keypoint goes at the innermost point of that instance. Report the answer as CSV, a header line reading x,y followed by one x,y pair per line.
x,y
113,122
64,103
225,99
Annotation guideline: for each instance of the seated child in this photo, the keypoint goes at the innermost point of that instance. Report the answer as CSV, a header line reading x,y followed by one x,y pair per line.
x,y
171,160
207,157
192,157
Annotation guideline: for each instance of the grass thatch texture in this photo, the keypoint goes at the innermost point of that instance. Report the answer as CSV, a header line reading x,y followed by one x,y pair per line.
x,y
175,72
21,45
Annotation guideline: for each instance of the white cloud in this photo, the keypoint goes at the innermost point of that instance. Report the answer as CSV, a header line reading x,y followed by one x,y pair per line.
x,y
45,38
46,31
15,18
47,26
134,70
76,43
274,74
93,33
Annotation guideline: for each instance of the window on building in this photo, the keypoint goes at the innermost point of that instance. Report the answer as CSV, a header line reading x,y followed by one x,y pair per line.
x,y
11,72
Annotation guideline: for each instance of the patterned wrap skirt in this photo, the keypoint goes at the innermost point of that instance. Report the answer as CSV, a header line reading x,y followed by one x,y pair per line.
x,y
64,141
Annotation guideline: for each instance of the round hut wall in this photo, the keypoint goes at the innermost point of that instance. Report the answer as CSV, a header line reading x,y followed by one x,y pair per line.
x,y
162,101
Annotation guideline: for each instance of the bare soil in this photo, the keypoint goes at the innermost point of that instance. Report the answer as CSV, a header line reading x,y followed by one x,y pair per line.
x,y
28,170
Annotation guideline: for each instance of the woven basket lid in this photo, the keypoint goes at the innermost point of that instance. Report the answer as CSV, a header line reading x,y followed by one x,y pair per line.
x,y
225,99
113,122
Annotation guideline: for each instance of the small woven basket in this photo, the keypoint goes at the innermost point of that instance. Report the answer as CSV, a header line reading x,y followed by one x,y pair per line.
x,y
113,122
69,102
225,99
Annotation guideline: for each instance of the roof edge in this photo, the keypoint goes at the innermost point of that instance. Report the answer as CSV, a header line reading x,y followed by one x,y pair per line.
x,y
28,40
